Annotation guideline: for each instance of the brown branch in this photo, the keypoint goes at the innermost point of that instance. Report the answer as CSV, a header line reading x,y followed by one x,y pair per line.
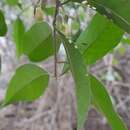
x,y
55,41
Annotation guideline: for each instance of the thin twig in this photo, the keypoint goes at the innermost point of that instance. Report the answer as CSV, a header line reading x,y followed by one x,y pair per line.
x,y
55,42
35,6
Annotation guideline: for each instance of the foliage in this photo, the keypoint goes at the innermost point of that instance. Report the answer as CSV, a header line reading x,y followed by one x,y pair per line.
x,y
18,32
33,82
37,42
83,48
79,73
3,26
99,95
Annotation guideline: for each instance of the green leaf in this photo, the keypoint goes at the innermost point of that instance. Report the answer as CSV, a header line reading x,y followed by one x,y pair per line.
x,y
99,38
78,69
125,40
66,68
49,10
27,84
18,33
103,102
37,42
12,2
117,10
3,26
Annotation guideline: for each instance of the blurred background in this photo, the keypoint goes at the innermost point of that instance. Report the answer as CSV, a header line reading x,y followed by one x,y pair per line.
x,y
57,108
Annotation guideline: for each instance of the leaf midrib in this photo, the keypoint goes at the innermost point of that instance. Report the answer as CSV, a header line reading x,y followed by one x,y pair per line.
x,y
98,37
114,12
39,44
25,85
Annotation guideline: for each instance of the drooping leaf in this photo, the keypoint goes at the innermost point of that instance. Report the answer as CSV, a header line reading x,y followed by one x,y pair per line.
x,y
117,10
27,84
78,70
103,102
37,42
99,38
3,26
18,33
12,2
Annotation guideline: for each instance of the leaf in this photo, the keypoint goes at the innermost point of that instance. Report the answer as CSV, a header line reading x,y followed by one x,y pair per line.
x,y
37,42
18,33
27,84
3,26
125,40
98,39
78,70
12,2
66,68
117,10
103,102
49,10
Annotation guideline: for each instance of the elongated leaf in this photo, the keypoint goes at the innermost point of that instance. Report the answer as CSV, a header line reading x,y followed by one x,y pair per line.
x,y
99,38
18,33
103,102
3,26
37,42
12,2
27,84
78,70
117,10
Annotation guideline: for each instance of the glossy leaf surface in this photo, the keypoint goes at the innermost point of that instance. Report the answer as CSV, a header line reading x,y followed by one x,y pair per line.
x,y
78,69
117,10
98,39
27,84
37,42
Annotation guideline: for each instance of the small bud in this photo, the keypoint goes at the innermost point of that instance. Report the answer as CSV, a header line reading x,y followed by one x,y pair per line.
x,y
38,14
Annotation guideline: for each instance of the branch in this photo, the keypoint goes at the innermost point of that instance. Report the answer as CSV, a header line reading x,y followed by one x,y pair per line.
x,y
55,42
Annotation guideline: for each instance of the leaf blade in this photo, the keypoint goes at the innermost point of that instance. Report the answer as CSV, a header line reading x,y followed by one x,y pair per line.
x,y
12,2
18,33
37,42
117,10
78,70
98,39
103,102
3,26
31,76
